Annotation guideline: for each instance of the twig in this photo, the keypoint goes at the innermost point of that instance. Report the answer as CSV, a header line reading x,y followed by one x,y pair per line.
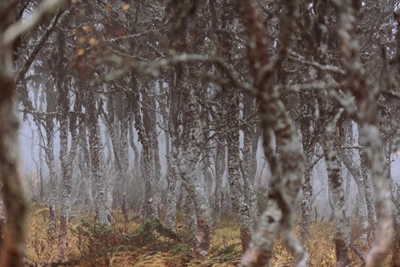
x,y
21,27
358,253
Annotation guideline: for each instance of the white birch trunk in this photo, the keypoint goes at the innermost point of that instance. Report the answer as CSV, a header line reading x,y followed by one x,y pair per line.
x,y
219,172
173,178
286,175
192,147
96,157
355,170
369,134
244,213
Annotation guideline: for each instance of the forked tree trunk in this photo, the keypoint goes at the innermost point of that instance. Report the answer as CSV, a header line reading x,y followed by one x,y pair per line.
x,y
286,176
369,134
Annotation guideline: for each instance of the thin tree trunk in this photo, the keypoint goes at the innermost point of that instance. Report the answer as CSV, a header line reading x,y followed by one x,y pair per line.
x,y
220,166
355,170
306,187
249,162
136,152
96,157
173,178
244,212
86,170
49,128
307,123
145,126
189,212
124,125
369,195
66,165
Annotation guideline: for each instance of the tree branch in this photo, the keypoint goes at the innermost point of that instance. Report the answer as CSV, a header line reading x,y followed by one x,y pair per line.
x,y
20,27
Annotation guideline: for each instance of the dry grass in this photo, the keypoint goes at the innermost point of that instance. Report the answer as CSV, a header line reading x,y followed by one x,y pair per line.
x,y
162,251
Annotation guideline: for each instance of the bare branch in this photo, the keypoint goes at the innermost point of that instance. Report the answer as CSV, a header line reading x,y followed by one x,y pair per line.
x,y
19,28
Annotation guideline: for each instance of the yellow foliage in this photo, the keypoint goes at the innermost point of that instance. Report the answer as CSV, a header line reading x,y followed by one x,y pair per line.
x,y
86,28
92,41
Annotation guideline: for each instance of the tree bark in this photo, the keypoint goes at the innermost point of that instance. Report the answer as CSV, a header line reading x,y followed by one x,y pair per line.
x,y
96,157
244,212
12,248
308,144
369,133
194,140
331,146
249,162
355,170
67,156
173,178
286,176
219,172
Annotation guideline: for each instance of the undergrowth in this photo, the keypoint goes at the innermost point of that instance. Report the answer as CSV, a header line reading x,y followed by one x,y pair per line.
x,y
151,244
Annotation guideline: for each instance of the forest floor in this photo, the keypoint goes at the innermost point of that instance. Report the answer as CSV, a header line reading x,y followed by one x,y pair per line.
x,y
133,243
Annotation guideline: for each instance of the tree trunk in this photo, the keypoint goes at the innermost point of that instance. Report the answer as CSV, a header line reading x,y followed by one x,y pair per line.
x,y
96,157
331,146
145,126
136,170
49,128
219,172
308,143
240,205
369,195
193,142
286,177
369,134
86,169
173,178
355,170
67,157
189,212
12,248
249,163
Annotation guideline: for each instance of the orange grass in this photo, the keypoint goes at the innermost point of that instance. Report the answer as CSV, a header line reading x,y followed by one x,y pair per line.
x,y
320,245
